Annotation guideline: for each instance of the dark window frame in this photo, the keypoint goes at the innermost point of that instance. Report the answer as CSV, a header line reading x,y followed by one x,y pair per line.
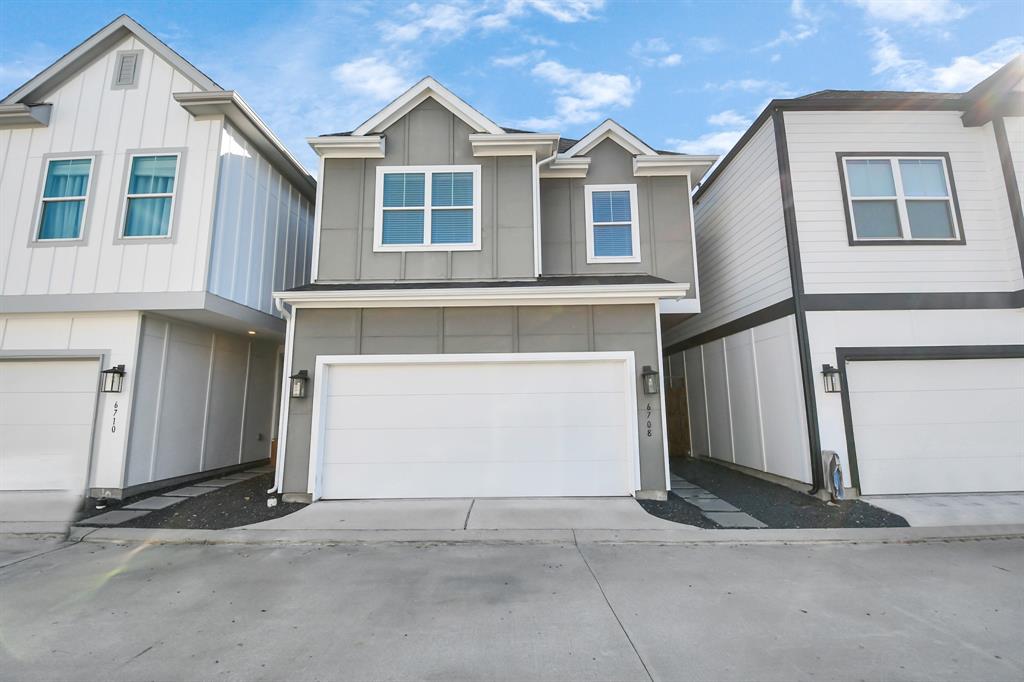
x,y
851,235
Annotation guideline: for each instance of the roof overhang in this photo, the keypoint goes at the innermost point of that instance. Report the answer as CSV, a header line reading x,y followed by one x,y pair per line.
x,y
999,95
348,146
231,106
24,115
607,294
542,145
609,129
562,167
414,96
694,167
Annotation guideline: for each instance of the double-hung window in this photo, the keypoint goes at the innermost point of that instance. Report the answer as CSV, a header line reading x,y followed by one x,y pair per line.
x,y
900,199
149,202
65,195
613,234
427,208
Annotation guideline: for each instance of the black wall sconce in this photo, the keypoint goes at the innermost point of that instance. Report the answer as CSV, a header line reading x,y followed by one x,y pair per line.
x,y
650,379
833,383
112,379
299,381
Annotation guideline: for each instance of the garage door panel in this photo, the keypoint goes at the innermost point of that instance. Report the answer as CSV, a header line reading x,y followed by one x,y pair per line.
x,y
450,411
509,444
49,376
474,479
438,427
935,426
47,409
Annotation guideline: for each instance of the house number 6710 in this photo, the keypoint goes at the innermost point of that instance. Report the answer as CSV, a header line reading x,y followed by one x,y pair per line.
x,y
650,429
113,422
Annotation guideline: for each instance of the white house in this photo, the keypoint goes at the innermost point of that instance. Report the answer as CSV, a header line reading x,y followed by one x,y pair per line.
x,y
862,293
146,215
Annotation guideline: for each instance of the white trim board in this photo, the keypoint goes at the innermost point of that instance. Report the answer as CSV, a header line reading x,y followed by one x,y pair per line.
x,y
634,223
414,96
609,129
320,395
428,209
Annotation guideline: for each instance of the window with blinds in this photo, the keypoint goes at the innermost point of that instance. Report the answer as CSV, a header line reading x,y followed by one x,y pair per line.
x,y
65,193
149,202
612,235
427,208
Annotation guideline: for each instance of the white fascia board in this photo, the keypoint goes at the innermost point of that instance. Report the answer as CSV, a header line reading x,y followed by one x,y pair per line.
x,y
230,104
514,144
605,294
24,115
563,167
348,146
659,165
680,305
411,98
610,129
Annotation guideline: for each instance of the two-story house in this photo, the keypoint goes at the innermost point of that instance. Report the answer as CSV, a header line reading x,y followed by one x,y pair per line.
x,y
861,255
146,215
483,317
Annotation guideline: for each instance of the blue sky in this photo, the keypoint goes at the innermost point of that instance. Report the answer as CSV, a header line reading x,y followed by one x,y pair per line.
x,y
687,76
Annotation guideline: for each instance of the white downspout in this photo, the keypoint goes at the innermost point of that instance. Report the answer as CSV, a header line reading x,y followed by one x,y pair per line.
x,y
282,426
536,207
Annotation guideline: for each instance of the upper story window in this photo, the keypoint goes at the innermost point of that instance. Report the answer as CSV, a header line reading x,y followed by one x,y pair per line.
x,y
613,235
149,202
65,195
427,208
900,199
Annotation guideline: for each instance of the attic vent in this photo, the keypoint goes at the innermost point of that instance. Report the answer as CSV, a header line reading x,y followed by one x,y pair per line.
x,y
126,69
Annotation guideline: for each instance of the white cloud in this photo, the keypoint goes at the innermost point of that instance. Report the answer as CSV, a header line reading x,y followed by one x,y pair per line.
x,y
729,118
915,12
747,85
372,77
581,96
565,11
442,22
961,74
710,143
655,52
775,57
518,59
805,26
708,44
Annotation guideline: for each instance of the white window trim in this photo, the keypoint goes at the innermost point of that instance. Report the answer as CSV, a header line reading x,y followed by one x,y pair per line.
x,y
43,200
634,227
428,171
901,199
173,194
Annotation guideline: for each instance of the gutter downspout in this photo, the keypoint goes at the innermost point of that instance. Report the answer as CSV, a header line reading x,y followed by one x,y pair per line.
x,y
282,426
536,209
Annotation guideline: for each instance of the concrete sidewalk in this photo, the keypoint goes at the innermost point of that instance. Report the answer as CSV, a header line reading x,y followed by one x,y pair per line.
x,y
954,509
37,512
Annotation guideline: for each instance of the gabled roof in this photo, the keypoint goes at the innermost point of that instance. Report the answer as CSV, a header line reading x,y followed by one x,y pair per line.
x,y
609,129
91,48
414,96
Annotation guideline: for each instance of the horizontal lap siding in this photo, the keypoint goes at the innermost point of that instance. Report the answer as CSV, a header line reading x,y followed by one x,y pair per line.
x,y
741,240
987,262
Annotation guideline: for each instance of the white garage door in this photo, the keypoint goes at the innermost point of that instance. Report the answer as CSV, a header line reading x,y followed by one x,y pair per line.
x,y
473,426
47,409
937,426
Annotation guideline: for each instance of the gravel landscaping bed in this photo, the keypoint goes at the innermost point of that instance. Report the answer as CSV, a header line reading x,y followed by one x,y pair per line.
x,y
776,505
239,504
678,510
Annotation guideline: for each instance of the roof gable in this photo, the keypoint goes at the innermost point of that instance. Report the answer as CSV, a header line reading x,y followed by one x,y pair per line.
x,y
97,45
610,130
414,96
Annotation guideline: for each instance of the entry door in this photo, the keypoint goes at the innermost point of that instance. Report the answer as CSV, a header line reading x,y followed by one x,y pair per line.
x,y
428,426
47,410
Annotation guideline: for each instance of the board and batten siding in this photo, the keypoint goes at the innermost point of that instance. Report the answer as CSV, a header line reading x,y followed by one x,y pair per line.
x,y
89,116
663,213
428,135
204,400
262,230
741,239
745,402
987,262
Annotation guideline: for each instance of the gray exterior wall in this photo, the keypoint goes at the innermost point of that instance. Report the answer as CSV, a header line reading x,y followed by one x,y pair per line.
x,y
666,234
427,135
524,329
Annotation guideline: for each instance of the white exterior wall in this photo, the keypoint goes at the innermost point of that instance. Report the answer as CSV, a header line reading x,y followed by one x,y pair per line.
x,y
1015,136
263,228
745,400
833,329
89,116
987,262
205,396
114,335
741,239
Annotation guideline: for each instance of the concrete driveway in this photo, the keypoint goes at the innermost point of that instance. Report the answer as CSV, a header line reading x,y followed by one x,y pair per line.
x,y
507,611
537,513
954,509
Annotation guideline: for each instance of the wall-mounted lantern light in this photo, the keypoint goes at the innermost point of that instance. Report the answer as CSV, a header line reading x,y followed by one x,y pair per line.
x,y
112,379
650,378
833,384
299,381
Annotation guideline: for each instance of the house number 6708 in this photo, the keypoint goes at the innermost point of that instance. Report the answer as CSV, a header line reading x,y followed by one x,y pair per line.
x,y
650,429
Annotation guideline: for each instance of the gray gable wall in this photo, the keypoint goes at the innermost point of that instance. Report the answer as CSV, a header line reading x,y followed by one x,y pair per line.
x,y
427,135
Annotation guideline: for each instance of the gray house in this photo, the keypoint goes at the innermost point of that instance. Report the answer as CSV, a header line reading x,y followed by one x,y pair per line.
x,y
484,314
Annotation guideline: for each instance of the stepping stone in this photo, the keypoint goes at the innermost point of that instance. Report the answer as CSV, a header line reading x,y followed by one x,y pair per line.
x,y
684,485
189,491
687,493
711,504
238,477
215,483
112,518
734,519
151,503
